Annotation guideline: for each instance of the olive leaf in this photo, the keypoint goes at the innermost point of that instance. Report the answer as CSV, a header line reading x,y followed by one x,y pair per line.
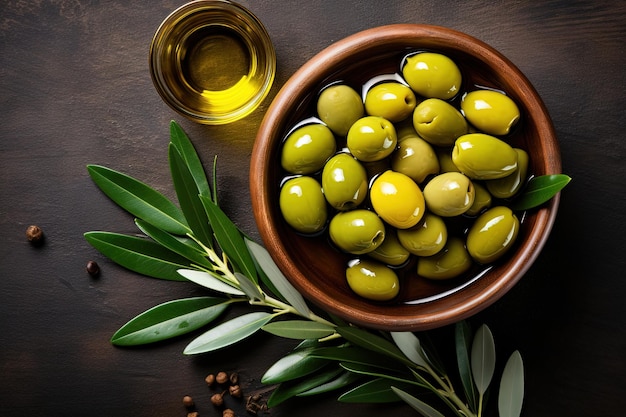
x,y
228,333
375,391
409,344
294,365
359,355
483,358
463,339
139,254
372,342
299,329
211,281
292,388
539,190
169,320
252,291
511,395
186,248
189,197
416,404
187,151
279,281
341,381
139,199
364,369
230,239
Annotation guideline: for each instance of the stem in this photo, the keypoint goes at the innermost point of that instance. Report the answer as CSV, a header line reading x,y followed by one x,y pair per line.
x,y
480,405
269,301
448,392
221,265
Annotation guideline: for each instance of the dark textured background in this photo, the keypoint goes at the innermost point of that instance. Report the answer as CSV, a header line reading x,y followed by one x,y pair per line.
x,y
75,89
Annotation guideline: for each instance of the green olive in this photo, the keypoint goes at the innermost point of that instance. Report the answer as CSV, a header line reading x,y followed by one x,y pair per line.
x,y
415,158
508,186
392,100
449,194
492,234
484,157
444,155
432,75
303,205
405,129
397,199
425,239
344,181
339,106
439,122
307,149
357,231
372,138
452,261
492,112
482,200
390,252
372,280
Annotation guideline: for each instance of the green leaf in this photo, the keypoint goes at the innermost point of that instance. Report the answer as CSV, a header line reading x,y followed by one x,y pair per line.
x,y
372,342
290,389
228,333
409,344
210,281
230,239
215,180
511,394
376,391
186,149
483,358
187,249
139,254
416,404
168,320
296,364
280,282
359,355
365,369
139,199
342,380
252,290
299,329
189,199
539,190
463,339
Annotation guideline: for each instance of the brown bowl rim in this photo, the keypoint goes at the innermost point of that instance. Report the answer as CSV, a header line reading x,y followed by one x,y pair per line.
x,y
309,76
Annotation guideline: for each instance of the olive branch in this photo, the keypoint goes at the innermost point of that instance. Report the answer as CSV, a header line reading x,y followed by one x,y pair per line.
x,y
196,241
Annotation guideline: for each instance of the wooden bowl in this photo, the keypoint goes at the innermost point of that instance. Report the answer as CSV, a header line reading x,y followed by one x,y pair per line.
x,y
317,269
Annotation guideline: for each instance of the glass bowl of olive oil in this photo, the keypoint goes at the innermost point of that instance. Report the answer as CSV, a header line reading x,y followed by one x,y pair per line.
x,y
212,61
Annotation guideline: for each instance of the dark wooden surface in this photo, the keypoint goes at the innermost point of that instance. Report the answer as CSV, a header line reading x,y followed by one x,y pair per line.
x,y
75,89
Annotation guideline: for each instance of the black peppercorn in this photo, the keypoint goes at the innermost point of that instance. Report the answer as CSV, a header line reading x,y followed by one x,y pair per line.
x,y
93,268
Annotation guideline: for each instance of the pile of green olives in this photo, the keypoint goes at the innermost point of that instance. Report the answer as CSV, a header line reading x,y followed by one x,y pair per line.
x,y
413,172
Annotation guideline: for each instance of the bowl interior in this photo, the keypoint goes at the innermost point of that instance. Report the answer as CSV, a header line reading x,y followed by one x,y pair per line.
x,y
313,266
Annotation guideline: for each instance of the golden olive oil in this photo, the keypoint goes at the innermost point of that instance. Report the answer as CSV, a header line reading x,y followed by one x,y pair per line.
x,y
214,59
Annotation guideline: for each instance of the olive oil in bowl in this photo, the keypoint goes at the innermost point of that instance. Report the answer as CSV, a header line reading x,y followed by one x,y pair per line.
x,y
212,61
